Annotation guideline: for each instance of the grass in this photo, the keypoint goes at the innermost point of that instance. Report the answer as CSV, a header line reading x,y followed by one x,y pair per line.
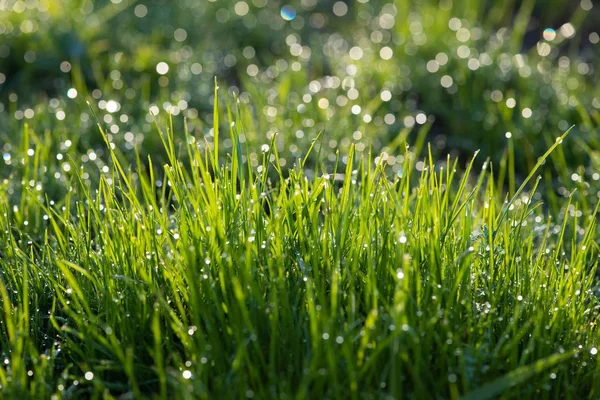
x,y
210,278
294,235
501,72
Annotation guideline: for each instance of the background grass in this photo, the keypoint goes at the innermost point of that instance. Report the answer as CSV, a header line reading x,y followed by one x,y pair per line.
x,y
486,53
298,238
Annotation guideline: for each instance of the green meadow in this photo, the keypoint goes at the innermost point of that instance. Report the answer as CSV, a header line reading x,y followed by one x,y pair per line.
x,y
259,199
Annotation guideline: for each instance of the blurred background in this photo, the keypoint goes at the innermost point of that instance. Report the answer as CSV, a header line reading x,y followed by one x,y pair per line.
x,y
499,76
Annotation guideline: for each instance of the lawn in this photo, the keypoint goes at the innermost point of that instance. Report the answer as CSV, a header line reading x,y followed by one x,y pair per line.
x,y
337,199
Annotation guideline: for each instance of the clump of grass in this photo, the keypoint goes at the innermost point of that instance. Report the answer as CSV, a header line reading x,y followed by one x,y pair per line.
x,y
210,279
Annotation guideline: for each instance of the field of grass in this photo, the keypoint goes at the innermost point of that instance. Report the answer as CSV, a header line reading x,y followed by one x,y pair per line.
x,y
381,201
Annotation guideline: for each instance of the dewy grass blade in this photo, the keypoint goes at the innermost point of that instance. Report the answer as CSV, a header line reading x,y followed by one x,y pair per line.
x,y
501,385
539,163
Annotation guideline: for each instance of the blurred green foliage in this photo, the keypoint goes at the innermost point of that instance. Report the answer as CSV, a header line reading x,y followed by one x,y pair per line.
x,y
474,70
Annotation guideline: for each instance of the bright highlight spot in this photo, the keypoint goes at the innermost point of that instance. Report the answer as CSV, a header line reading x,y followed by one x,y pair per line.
x,y
288,13
549,34
162,68
112,106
